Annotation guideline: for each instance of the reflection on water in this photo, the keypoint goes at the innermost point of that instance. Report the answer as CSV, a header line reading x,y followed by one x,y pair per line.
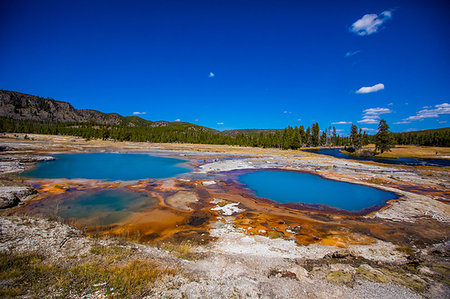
x,y
335,152
91,208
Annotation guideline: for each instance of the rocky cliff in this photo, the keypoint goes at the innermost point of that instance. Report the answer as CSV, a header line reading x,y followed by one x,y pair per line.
x,y
28,107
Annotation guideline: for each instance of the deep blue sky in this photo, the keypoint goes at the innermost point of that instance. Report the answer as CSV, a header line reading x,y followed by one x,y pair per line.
x,y
274,62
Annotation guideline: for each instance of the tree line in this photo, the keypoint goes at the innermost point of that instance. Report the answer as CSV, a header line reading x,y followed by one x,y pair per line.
x,y
288,138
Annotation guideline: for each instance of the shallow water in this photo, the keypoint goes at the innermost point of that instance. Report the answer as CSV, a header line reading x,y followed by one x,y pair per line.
x,y
335,152
296,187
91,208
108,166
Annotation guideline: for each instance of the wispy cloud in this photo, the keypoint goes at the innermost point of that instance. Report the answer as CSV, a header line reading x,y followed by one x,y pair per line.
x,y
299,119
287,112
369,89
372,115
139,113
370,23
221,123
368,129
442,122
196,119
178,119
391,104
377,111
211,75
341,122
369,120
429,112
351,53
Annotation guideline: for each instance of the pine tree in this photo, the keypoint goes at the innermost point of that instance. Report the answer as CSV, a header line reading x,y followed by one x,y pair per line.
x,y
383,139
334,140
315,134
353,135
323,139
308,136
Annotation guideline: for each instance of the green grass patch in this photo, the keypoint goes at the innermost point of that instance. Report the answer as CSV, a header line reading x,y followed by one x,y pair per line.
x,y
340,277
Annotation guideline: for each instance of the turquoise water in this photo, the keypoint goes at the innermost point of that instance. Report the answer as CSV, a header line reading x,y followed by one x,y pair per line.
x,y
108,166
104,207
296,187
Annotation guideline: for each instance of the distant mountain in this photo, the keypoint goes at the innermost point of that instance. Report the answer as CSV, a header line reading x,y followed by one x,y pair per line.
x,y
20,106
23,113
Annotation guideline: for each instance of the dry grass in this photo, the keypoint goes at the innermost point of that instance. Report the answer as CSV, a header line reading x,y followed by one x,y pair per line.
x,y
29,275
413,151
183,250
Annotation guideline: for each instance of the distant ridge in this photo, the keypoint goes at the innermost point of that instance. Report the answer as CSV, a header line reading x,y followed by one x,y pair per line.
x,y
20,106
23,113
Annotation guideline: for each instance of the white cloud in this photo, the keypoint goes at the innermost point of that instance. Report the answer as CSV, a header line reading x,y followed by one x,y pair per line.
x,y
211,75
299,119
442,122
139,113
221,123
391,104
196,119
369,89
401,122
368,120
387,14
377,111
370,23
436,111
178,119
341,122
351,53
339,130
372,115
287,112
368,129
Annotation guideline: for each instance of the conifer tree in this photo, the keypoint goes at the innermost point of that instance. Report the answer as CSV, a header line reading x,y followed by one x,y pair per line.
x,y
353,135
315,134
383,138
334,140
308,136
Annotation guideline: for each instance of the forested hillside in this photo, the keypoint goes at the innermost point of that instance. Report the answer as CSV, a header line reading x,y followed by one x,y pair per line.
x,y
20,113
433,137
19,106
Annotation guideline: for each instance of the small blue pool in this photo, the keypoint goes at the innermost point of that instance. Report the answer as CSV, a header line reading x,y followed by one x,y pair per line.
x,y
92,208
296,187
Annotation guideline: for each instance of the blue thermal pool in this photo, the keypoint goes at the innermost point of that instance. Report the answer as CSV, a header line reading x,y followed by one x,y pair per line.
x,y
108,166
92,208
296,187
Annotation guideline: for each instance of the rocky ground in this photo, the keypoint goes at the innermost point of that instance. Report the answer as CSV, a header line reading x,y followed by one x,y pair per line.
x,y
233,262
